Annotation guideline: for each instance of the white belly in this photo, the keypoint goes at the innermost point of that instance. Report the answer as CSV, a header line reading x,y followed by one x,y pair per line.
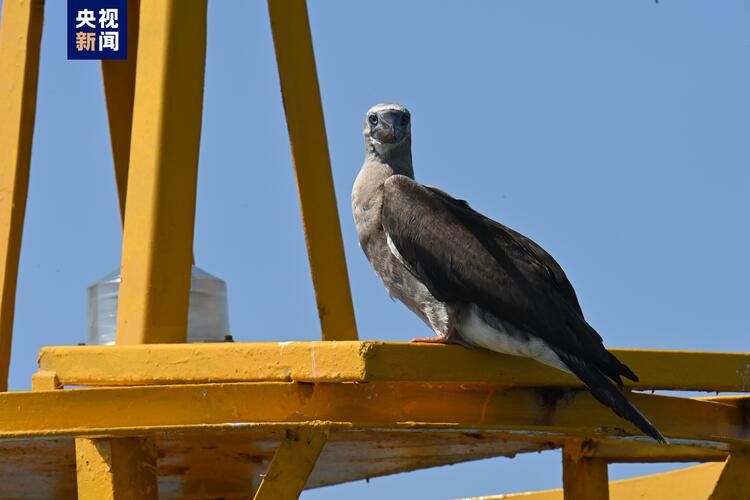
x,y
497,337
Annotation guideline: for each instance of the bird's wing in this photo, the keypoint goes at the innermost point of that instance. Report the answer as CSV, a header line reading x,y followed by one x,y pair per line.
x,y
534,250
462,256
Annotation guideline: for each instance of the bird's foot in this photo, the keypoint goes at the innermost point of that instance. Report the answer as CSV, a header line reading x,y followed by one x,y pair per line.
x,y
440,339
452,337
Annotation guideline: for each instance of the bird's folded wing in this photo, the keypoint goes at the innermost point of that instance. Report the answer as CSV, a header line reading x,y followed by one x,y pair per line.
x,y
531,247
463,256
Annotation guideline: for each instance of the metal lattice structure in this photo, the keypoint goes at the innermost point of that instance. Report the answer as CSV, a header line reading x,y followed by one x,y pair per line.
x,y
164,419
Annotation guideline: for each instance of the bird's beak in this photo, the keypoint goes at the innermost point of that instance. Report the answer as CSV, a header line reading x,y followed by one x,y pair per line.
x,y
389,132
385,133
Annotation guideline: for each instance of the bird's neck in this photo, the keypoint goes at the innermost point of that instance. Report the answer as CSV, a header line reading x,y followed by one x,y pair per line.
x,y
396,157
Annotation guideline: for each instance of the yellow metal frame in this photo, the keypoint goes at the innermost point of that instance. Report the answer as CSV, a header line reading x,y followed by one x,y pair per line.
x,y
367,361
163,173
300,414
116,469
691,483
307,136
401,405
700,482
20,39
584,477
119,89
733,481
292,463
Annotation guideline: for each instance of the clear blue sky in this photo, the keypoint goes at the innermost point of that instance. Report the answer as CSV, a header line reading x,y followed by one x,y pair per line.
x,y
613,133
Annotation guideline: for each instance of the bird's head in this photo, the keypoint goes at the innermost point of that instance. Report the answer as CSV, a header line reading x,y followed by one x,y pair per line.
x,y
387,129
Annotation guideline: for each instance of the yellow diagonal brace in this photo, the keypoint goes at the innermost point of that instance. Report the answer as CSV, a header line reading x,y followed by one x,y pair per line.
x,y
292,463
584,478
116,469
307,135
734,481
119,90
20,36
160,216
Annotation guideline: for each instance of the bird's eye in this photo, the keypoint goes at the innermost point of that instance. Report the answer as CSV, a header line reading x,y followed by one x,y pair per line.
x,y
373,119
405,120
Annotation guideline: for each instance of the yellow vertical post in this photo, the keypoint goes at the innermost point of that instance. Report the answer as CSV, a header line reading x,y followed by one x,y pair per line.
x,y
20,37
304,117
116,469
734,480
162,177
119,91
292,464
584,478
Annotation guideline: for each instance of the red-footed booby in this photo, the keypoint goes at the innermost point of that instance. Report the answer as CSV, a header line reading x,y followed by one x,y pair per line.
x,y
472,280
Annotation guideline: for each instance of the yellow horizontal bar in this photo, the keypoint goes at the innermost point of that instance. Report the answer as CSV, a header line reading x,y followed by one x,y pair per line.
x,y
370,361
645,452
690,483
381,405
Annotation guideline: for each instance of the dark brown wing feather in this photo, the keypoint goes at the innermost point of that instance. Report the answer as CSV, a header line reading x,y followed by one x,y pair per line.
x,y
537,252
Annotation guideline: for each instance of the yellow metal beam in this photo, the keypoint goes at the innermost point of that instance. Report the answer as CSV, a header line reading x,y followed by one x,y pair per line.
x,y
690,483
734,481
304,117
119,91
83,412
584,478
292,463
644,451
370,361
116,469
159,221
45,381
20,37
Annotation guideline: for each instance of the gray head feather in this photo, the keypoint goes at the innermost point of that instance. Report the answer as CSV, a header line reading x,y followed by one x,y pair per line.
x,y
387,132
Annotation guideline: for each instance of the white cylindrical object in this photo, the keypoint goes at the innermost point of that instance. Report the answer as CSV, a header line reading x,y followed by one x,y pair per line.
x,y
208,313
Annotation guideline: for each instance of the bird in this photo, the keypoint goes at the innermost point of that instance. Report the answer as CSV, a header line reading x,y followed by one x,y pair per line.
x,y
474,281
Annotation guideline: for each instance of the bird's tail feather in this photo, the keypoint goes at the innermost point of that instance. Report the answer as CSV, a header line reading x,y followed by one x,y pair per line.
x,y
609,395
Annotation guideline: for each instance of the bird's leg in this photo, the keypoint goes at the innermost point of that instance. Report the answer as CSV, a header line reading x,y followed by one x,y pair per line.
x,y
450,337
